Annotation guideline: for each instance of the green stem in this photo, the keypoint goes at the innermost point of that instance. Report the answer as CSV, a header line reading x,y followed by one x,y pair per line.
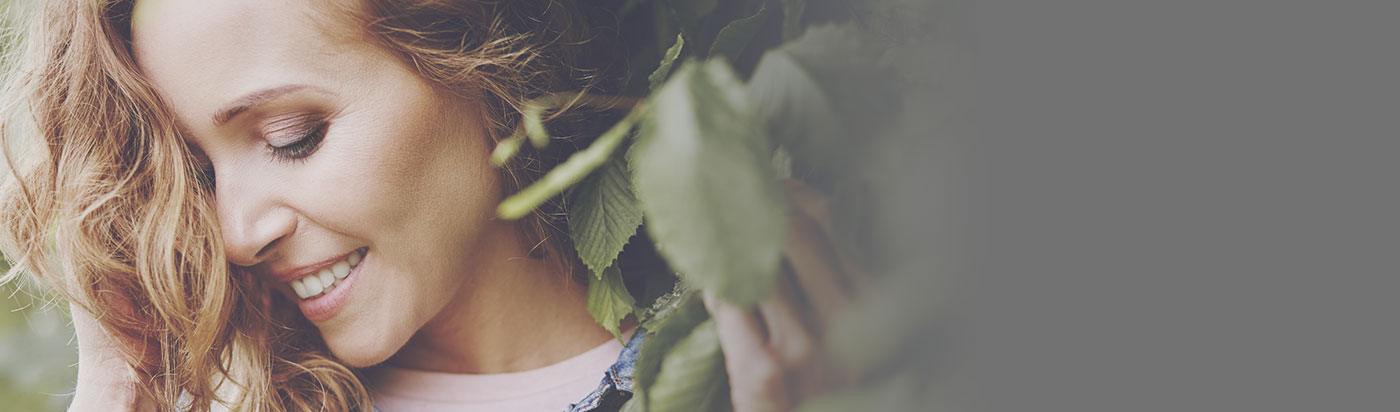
x,y
506,149
572,170
532,115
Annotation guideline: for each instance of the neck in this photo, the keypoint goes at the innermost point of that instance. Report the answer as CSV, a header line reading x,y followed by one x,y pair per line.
x,y
513,313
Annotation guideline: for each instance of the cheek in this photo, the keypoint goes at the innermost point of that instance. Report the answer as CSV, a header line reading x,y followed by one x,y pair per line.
x,y
420,193
377,175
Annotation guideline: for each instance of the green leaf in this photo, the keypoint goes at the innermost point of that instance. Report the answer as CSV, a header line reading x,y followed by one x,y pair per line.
x,y
665,305
832,102
735,37
604,215
692,376
822,97
674,319
609,301
666,328
847,63
798,114
636,404
658,76
712,203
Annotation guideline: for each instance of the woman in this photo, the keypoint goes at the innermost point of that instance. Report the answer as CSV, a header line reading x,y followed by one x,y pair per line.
x,y
288,205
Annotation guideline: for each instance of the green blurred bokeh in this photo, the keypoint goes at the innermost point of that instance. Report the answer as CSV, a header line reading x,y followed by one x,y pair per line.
x,y
38,356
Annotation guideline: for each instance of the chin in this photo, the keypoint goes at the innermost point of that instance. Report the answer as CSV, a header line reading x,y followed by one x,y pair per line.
x,y
365,349
360,354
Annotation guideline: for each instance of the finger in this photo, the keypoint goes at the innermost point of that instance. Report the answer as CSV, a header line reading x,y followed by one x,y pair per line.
x,y
814,265
738,329
743,323
756,378
816,206
811,202
789,331
791,337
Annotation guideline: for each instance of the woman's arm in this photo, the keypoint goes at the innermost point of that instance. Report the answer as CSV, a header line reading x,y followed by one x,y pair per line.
x,y
106,380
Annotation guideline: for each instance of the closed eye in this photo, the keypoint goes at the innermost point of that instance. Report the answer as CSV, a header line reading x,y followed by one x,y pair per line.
x,y
304,145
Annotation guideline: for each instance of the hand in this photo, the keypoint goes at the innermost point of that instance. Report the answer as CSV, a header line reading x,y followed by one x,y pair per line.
x,y
106,379
771,351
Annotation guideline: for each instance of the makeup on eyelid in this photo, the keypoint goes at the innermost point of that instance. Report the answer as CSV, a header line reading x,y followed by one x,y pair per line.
x,y
295,138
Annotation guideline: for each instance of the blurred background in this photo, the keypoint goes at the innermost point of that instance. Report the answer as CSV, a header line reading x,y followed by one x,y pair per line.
x,y
38,355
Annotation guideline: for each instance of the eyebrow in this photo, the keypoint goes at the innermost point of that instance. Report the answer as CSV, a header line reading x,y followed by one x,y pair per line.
x,y
253,99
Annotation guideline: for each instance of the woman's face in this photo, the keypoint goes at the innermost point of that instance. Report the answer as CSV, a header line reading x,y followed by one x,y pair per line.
x,y
326,148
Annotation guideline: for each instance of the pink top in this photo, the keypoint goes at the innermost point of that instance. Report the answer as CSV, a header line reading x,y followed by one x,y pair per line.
x,y
551,388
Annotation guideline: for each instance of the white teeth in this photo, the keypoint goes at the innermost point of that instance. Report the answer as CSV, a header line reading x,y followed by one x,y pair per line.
x,y
341,270
313,285
325,280
299,288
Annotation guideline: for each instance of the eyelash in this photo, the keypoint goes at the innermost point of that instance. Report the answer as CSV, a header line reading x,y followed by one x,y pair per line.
x,y
303,147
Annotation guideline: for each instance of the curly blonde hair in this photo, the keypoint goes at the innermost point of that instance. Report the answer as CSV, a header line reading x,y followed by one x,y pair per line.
x,y
105,201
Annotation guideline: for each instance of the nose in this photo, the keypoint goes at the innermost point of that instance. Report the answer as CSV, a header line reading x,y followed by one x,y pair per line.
x,y
252,219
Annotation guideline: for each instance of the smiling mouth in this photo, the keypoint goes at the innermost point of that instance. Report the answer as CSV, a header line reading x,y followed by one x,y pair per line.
x,y
324,281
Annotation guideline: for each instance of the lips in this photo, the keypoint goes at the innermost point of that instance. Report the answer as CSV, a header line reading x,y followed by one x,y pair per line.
x,y
325,279
322,305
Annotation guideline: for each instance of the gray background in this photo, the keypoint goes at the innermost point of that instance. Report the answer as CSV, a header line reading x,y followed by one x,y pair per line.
x,y
1190,206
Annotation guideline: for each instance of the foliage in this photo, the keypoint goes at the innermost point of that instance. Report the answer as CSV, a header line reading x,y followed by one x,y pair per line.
x,y
711,200
606,215
740,94
609,301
